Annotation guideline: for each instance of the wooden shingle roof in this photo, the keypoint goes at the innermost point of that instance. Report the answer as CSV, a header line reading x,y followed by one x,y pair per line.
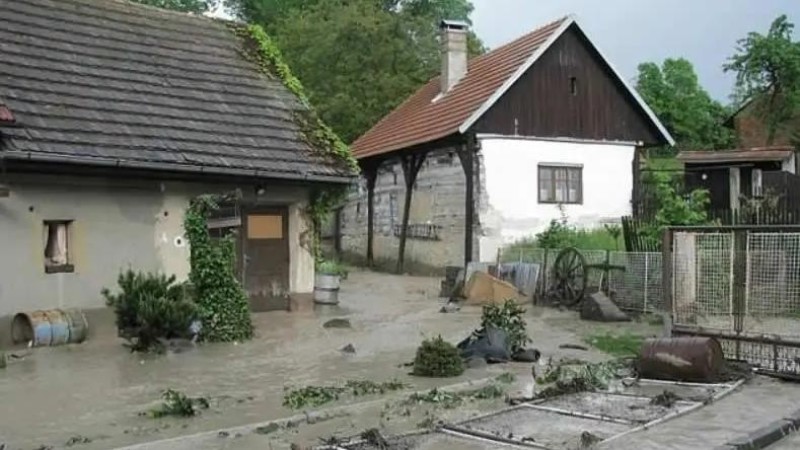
x,y
107,82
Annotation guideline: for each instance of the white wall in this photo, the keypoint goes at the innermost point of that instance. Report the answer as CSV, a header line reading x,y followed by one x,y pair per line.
x,y
513,211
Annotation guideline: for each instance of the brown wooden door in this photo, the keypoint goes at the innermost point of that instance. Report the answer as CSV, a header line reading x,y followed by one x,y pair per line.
x,y
266,259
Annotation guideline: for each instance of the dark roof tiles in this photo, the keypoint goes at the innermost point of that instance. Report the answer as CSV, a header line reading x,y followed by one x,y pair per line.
x,y
107,81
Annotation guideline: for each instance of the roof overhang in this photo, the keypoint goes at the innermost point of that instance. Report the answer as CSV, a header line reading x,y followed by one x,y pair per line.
x,y
757,154
571,20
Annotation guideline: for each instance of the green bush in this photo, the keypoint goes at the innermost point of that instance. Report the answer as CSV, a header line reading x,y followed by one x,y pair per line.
x,y
150,307
509,318
331,267
438,358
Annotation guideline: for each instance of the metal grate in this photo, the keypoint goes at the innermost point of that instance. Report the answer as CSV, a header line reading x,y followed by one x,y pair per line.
x,y
702,279
773,284
638,288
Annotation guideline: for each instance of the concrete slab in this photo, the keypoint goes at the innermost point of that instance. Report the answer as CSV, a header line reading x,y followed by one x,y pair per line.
x,y
554,431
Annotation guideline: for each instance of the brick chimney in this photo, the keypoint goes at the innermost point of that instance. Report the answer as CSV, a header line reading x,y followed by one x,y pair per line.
x,y
454,53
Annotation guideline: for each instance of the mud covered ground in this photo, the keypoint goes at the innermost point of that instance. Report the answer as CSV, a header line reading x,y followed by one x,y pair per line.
x,y
91,395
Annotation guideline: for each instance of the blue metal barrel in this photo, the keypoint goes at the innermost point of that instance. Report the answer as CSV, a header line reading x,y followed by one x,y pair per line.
x,y
49,327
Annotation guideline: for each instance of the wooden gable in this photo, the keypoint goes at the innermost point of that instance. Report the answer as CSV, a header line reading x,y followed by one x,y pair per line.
x,y
570,92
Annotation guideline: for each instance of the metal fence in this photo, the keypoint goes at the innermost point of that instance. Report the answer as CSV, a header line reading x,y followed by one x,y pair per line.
x,y
638,288
741,285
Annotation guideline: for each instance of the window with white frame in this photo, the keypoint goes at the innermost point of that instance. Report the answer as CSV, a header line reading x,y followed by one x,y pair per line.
x,y
560,183
57,251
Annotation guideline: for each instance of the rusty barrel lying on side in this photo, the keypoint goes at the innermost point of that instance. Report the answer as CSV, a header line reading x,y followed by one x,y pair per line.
x,y
695,359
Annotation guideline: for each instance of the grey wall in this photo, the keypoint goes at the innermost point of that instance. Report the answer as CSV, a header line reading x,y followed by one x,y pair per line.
x,y
117,225
438,199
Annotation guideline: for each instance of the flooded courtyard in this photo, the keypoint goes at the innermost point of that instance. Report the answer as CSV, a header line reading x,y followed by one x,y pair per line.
x,y
96,395
98,389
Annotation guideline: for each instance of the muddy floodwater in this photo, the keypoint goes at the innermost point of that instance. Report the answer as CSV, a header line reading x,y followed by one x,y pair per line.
x,y
97,390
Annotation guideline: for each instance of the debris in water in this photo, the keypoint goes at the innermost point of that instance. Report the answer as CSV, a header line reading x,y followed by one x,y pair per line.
x,y
373,437
666,399
320,395
450,308
176,403
349,348
588,440
77,440
267,429
337,323
506,377
223,434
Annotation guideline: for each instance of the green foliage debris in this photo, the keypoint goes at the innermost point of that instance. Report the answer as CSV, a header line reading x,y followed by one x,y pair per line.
x,y
438,358
451,399
506,378
177,404
312,396
509,318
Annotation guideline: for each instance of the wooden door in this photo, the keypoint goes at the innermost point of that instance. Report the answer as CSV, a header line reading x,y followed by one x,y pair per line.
x,y
266,259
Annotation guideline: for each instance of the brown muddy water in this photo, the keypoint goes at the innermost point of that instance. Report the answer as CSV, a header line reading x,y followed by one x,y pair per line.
x,y
97,390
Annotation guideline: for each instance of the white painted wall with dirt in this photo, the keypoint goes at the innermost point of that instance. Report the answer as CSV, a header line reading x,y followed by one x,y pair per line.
x,y
513,210
115,225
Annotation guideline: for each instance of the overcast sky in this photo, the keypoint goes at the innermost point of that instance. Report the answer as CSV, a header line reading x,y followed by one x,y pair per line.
x,y
632,31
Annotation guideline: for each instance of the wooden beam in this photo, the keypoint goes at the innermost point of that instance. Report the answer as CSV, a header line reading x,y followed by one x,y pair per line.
x,y
371,173
411,164
466,154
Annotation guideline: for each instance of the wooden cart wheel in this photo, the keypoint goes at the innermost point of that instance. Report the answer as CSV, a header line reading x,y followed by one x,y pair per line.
x,y
570,271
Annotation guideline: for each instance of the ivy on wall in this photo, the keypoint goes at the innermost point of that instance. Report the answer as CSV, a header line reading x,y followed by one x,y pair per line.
x,y
223,306
260,49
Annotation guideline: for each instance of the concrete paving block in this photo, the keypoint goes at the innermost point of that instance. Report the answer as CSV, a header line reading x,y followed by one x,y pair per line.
x,y
764,436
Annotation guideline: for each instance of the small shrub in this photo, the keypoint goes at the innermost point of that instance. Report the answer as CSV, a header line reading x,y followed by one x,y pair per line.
x,y
509,318
438,358
330,267
150,307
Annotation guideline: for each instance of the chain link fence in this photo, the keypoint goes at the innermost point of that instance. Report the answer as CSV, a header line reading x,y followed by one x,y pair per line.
x,y
773,284
637,288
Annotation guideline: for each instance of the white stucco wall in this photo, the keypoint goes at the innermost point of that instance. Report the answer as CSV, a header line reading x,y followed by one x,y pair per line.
x,y
513,211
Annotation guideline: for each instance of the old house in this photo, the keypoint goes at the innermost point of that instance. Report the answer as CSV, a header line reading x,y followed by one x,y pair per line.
x,y
496,147
764,164
113,116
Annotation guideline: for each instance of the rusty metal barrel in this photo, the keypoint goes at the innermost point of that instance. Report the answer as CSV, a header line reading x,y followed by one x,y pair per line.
x,y
693,359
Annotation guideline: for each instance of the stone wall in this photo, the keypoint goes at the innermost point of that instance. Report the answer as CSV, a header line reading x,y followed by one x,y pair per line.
x,y
438,200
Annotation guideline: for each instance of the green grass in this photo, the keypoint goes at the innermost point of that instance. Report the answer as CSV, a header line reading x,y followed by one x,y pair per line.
x,y
594,239
626,344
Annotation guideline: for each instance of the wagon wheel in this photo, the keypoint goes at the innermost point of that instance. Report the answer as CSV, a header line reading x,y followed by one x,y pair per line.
x,y
570,271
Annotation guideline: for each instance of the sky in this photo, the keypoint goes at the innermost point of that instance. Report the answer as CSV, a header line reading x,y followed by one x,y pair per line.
x,y
629,32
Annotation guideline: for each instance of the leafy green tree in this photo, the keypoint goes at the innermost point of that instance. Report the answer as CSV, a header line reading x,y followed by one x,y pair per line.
x,y
768,69
674,93
357,59
195,6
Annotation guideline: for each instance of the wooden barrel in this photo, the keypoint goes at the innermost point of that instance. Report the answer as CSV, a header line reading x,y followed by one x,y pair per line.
x,y
32,327
59,329
696,359
49,327
326,289
78,325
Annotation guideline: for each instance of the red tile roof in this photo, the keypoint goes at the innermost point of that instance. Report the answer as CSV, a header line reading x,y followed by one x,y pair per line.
x,y
419,119
774,153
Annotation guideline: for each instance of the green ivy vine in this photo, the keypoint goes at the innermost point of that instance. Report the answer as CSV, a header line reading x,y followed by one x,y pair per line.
x,y
259,48
223,306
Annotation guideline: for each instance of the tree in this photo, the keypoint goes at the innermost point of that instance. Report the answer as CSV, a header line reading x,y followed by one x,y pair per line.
x,y
194,6
674,93
357,59
768,69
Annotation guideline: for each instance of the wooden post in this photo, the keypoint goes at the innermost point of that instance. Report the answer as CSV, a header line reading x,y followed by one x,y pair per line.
x,y
371,173
467,156
739,280
411,163
666,280
637,180
337,232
